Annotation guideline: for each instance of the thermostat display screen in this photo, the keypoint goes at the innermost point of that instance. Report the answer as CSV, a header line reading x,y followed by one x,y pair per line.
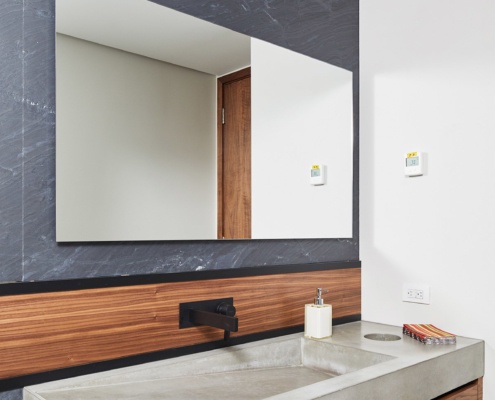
x,y
317,175
414,164
412,161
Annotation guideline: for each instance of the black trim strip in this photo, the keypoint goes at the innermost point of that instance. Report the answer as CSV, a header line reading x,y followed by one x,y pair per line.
x,y
15,288
42,377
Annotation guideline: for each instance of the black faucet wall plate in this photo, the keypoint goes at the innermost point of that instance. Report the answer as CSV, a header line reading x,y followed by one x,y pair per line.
x,y
203,305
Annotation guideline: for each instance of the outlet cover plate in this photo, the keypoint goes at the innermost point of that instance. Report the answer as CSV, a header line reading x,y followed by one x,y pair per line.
x,y
416,293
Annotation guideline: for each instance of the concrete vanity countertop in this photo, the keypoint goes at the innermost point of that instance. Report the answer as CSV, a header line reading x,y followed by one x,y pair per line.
x,y
359,368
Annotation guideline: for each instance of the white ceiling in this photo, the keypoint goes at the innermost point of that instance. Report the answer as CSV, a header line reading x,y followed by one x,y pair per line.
x,y
151,30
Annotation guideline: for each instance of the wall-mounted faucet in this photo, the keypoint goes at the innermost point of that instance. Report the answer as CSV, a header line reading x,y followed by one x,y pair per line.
x,y
218,313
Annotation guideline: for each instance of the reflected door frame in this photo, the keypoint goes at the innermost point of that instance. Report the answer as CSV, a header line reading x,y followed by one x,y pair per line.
x,y
234,155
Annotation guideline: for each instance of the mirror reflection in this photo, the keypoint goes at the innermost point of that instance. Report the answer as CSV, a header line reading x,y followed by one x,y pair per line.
x,y
142,153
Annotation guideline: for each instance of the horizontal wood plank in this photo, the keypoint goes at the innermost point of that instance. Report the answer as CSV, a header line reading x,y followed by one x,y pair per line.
x,y
47,331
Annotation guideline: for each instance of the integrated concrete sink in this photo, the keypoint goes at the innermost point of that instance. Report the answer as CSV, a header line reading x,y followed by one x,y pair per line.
x,y
346,366
256,371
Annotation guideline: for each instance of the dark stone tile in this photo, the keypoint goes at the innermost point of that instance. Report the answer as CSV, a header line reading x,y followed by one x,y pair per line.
x,y
69,261
39,132
324,29
11,118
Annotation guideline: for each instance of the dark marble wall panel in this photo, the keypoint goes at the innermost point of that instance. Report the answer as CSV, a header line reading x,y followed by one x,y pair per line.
x,y
113,259
327,30
39,134
324,29
11,125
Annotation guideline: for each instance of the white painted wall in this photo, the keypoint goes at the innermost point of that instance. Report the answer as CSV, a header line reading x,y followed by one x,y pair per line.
x,y
128,129
428,84
301,115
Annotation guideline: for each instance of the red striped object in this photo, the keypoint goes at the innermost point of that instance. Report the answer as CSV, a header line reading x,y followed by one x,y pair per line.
x,y
428,334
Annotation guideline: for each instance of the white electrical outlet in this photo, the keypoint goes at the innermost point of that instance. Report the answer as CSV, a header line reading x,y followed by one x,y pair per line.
x,y
416,293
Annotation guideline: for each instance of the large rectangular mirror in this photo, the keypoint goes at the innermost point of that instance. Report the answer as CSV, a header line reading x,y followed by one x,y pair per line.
x,y
138,130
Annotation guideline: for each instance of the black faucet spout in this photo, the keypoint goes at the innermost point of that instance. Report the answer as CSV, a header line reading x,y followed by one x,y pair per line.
x,y
215,320
218,313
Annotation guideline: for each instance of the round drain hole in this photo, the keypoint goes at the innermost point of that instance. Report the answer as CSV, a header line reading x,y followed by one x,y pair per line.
x,y
384,337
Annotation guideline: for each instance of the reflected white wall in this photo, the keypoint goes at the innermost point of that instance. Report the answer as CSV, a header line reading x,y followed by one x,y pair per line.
x,y
301,115
124,124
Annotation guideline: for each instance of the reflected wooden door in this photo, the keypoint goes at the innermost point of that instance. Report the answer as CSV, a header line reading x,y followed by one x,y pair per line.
x,y
234,155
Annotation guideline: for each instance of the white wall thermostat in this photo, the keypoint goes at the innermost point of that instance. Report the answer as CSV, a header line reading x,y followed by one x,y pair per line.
x,y
317,174
414,164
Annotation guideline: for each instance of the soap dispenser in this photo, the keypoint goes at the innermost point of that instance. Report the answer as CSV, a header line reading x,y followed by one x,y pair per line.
x,y
318,317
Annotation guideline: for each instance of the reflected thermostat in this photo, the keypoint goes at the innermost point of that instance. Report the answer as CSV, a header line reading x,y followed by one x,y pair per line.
x,y
317,174
414,163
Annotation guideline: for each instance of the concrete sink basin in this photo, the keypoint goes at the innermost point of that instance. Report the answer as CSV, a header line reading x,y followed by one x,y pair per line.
x,y
256,370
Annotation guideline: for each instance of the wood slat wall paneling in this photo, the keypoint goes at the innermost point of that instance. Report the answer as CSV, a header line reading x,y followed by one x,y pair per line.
x,y
47,331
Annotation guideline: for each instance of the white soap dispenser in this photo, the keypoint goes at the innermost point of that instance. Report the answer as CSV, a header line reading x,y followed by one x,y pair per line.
x,y
318,317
